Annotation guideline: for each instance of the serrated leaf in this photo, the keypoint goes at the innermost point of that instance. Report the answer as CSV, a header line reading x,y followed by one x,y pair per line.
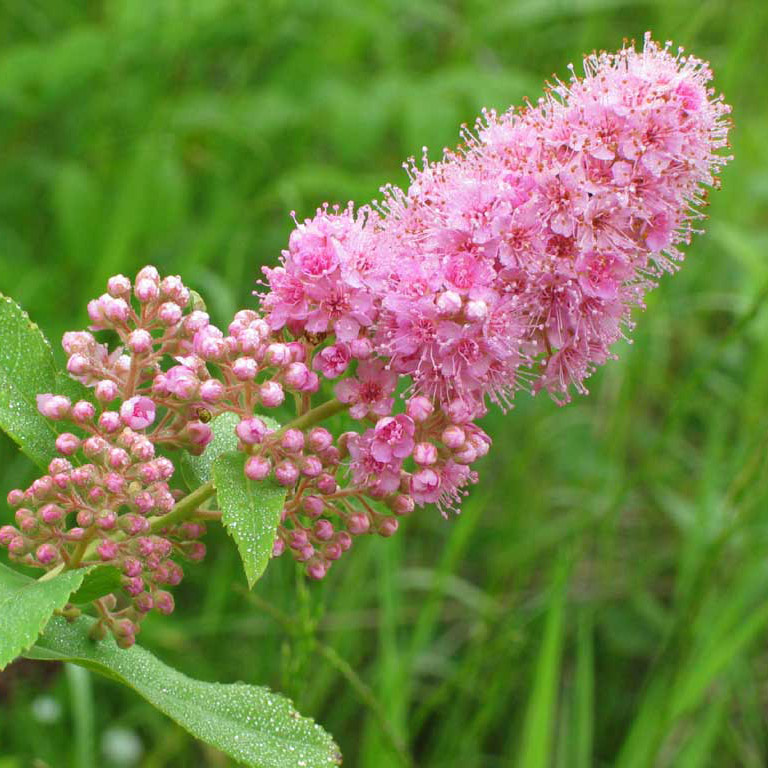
x,y
250,724
197,470
27,605
250,511
27,369
98,581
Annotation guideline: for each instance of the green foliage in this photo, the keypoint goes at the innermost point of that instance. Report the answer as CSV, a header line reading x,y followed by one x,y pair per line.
x,y
26,370
27,605
198,470
98,581
250,511
258,728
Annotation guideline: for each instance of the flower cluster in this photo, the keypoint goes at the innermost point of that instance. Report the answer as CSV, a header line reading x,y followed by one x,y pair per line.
x,y
520,256
513,262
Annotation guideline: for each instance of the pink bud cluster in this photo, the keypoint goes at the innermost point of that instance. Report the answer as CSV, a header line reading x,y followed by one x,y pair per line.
x,y
513,262
100,511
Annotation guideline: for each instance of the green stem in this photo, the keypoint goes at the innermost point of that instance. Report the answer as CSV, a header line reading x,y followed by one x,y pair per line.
x,y
184,508
314,416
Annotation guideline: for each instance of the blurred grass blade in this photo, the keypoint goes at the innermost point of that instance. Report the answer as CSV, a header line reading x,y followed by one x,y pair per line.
x,y
81,701
704,668
536,748
698,752
640,746
584,698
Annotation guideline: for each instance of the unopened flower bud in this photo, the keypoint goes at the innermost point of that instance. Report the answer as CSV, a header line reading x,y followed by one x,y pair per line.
x,y
78,365
110,421
403,505
106,520
106,391
317,569
83,412
51,514
84,518
292,441
251,431
211,391
448,303
107,550
118,286
313,505
323,529
54,407
311,466
453,437
326,484
419,408
67,443
320,439
358,523
26,521
140,341
286,473
45,554
117,458
387,526
146,290
138,412
425,453
296,376
278,354
144,602
271,394
257,468
170,314
245,369
15,497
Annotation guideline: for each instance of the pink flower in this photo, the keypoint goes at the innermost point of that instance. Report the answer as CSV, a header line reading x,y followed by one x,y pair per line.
x,y
332,361
321,286
393,438
181,382
138,412
370,391
367,470
530,248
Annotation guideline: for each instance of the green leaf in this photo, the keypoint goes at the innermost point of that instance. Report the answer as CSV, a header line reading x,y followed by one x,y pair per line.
x,y
197,470
250,511
27,369
27,605
98,581
250,724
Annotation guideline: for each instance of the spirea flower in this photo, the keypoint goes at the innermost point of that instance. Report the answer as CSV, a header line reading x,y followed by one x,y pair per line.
x,y
513,262
522,254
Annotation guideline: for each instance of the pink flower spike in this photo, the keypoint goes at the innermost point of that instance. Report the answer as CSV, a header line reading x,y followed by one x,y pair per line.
x,y
138,412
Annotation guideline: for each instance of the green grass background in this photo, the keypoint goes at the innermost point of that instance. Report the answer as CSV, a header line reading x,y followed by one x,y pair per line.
x,y
603,598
